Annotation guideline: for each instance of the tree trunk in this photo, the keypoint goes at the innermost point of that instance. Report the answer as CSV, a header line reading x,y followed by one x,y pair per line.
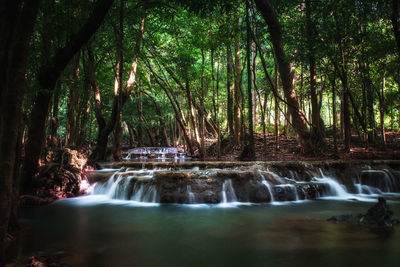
x,y
251,148
202,115
47,79
119,33
334,116
73,103
237,95
84,110
229,88
12,88
286,73
395,22
317,124
99,152
162,122
382,110
54,121
178,113
141,121
276,112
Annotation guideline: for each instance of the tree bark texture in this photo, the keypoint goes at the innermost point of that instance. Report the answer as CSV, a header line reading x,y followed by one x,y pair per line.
x,y
286,73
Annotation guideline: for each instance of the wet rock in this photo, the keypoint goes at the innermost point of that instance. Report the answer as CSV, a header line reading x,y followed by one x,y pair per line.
x,y
382,179
378,216
60,176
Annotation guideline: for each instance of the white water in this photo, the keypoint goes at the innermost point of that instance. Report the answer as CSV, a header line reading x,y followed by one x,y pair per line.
x,y
191,196
158,152
119,186
228,193
138,186
268,186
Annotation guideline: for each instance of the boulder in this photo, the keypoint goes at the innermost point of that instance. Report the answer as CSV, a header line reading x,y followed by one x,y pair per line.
x,y
378,216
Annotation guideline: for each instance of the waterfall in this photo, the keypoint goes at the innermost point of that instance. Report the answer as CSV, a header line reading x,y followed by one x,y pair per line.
x,y
119,186
191,196
214,186
335,189
268,185
228,193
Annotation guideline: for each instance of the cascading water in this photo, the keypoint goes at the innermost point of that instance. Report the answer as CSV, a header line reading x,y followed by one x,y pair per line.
x,y
160,153
191,196
334,187
212,186
129,185
228,193
269,187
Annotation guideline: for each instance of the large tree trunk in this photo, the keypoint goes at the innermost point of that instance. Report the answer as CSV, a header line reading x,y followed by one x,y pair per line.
x,y
119,33
12,94
84,110
286,73
395,22
73,103
47,78
317,124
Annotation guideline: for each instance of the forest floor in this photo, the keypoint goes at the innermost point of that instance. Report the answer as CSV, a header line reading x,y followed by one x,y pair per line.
x,y
289,149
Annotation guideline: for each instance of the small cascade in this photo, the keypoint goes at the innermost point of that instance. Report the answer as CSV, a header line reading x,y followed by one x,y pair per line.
x,y
228,193
268,186
144,192
159,153
335,189
376,181
133,185
191,196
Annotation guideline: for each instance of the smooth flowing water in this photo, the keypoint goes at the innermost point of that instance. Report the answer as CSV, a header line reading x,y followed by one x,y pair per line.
x,y
123,222
94,231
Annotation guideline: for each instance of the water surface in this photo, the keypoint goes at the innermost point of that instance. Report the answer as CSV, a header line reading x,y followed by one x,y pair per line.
x,y
91,231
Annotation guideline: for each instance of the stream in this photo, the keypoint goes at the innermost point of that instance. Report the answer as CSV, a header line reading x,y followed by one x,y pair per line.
x,y
131,219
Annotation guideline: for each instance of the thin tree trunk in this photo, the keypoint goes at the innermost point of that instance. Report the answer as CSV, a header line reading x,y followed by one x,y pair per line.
x,y
382,110
99,152
237,95
178,113
141,121
202,115
276,112
229,88
54,121
334,116
251,150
